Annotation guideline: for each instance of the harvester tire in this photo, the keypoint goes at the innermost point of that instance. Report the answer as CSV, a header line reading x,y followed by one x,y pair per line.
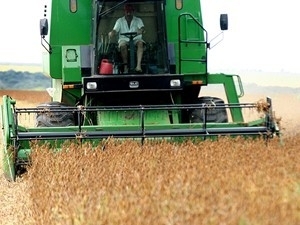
x,y
214,115
46,118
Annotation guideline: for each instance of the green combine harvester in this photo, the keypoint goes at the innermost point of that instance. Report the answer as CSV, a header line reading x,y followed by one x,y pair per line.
x,y
94,99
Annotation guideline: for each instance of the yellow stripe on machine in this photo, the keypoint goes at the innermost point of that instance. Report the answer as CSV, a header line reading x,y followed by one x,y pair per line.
x,y
68,86
197,82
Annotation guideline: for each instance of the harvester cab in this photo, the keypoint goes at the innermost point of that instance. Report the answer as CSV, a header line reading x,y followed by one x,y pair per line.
x,y
94,98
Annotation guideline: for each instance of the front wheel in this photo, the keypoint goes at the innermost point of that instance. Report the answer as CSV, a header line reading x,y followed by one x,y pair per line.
x,y
213,114
48,118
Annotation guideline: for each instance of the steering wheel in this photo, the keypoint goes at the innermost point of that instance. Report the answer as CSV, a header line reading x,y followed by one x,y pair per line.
x,y
130,35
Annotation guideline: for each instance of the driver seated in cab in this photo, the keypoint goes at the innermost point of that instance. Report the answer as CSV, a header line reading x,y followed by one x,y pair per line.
x,y
125,24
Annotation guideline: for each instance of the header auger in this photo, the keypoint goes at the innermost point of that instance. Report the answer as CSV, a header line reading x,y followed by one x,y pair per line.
x,y
164,101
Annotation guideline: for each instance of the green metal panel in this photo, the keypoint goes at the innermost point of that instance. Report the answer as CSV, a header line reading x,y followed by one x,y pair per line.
x,y
71,64
73,28
172,15
190,32
55,63
71,74
109,118
68,28
8,131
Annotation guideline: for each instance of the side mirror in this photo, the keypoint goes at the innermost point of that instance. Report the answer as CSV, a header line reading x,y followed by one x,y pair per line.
x,y
44,32
43,27
224,21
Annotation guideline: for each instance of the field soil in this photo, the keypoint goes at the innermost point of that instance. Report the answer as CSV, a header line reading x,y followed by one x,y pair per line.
x,y
224,182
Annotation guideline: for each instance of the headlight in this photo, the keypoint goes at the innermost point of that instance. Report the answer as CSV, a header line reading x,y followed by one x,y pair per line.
x,y
175,83
91,85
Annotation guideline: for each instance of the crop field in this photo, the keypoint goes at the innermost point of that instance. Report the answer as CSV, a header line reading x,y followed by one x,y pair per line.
x,y
229,181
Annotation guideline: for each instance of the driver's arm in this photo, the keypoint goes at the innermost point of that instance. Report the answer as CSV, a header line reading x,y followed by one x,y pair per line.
x,y
112,33
140,30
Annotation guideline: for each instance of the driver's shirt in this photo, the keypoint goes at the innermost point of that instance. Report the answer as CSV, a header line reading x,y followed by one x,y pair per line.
x,y
121,26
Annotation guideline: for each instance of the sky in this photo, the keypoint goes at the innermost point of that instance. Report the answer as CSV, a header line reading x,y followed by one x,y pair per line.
x,y
262,35
19,25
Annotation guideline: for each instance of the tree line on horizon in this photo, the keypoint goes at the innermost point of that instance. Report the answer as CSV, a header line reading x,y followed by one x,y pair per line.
x,y
16,80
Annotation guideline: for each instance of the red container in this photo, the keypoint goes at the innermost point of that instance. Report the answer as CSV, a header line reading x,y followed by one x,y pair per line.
x,y
106,67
